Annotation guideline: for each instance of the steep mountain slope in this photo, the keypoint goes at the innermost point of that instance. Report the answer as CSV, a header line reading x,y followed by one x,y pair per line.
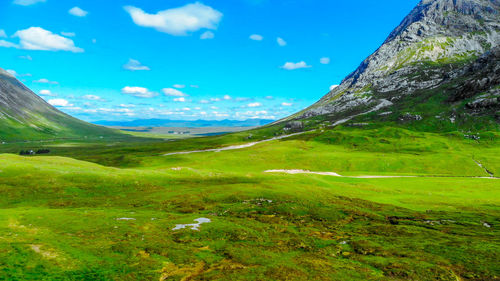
x,y
442,62
25,116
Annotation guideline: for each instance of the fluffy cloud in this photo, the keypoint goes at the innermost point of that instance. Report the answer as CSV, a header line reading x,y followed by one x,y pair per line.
x,y
182,99
37,38
46,81
171,92
178,21
28,57
68,34
138,92
256,37
286,104
179,86
27,2
59,102
77,12
227,97
207,35
92,97
47,93
135,65
2,33
7,44
11,72
293,66
281,41
333,87
255,104
324,60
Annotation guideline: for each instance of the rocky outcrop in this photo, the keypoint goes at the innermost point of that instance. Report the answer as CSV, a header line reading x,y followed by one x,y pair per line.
x,y
438,42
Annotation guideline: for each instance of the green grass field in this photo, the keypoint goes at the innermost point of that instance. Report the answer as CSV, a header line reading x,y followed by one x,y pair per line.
x,y
106,210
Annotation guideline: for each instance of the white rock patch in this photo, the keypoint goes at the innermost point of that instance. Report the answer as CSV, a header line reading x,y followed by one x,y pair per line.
x,y
193,226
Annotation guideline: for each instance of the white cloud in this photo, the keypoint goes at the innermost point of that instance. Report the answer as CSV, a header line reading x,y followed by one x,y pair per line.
x,y
256,37
214,99
173,92
68,34
325,60
13,73
27,2
27,57
2,33
178,21
293,66
47,93
92,97
269,97
227,97
7,44
255,104
179,86
207,35
286,104
126,105
194,86
281,41
46,81
78,12
204,101
333,87
59,102
138,92
180,99
135,65
37,38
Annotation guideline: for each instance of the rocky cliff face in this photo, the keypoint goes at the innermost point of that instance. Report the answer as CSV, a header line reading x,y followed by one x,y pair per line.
x,y
26,116
434,45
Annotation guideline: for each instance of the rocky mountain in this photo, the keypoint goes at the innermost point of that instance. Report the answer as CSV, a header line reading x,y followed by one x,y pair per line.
x,y
441,62
26,116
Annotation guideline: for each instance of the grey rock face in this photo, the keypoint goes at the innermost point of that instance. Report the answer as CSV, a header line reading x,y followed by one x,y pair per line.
x,y
421,53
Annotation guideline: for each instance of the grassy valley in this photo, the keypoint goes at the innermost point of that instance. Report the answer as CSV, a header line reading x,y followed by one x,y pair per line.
x,y
113,219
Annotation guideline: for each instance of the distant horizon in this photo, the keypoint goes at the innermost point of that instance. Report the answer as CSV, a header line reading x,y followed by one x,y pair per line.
x,y
118,62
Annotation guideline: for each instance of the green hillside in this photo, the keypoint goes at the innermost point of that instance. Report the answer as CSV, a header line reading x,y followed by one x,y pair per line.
x,y
26,117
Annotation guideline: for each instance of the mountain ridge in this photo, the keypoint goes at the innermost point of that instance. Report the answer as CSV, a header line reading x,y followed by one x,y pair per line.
x,y
430,48
26,116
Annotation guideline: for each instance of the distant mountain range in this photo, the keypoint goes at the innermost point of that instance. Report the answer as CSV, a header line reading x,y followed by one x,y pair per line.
x,y
184,123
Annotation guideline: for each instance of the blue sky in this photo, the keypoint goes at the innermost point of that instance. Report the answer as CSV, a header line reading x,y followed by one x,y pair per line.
x,y
178,59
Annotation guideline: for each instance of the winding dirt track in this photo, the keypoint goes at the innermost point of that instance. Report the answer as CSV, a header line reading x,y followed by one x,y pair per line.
x,y
234,147
332,174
